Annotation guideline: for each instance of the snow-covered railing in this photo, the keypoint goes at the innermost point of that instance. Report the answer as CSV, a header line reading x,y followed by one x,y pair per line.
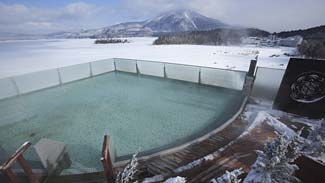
x,y
267,83
31,82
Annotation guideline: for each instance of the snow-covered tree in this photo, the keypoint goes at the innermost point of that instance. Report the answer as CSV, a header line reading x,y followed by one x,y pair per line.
x,y
229,177
316,142
176,180
127,175
274,163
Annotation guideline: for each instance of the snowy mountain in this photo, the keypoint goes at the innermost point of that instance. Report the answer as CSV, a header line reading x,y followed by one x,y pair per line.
x,y
181,21
173,21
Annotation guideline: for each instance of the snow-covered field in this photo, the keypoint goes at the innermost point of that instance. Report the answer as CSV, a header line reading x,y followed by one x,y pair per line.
x,y
24,56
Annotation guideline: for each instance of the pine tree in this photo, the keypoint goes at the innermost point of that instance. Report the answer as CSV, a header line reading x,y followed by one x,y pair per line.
x,y
274,164
127,175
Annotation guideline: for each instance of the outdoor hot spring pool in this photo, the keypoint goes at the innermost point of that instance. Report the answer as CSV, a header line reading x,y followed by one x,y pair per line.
x,y
140,113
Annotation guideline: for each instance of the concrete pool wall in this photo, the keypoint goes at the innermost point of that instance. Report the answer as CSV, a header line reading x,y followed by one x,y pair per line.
x,y
267,83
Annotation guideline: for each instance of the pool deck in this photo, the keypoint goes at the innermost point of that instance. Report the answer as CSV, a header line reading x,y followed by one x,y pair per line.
x,y
239,154
166,165
228,147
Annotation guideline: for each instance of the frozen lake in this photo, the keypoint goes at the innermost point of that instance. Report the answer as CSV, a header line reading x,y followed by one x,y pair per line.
x,y
24,56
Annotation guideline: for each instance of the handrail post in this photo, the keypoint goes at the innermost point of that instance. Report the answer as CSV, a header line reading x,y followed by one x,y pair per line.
x,y
13,81
106,161
136,67
27,169
18,155
114,59
10,175
165,74
252,68
59,75
90,69
199,75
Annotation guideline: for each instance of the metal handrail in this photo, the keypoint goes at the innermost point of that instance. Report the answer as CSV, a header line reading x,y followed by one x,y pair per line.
x,y
18,156
106,160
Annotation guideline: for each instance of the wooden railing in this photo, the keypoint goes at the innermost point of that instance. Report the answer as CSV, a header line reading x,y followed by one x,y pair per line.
x,y
18,155
106,160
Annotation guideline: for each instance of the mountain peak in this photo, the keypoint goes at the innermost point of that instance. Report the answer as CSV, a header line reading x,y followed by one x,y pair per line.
x,y
182,20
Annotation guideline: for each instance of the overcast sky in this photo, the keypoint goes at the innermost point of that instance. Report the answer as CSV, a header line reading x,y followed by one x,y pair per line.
x,y
45,16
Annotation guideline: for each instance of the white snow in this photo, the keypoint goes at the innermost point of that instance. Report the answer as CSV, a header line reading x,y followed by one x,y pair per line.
x,y
262,105
24,56
189,19
191,165
176,180
315,147
197,162
157,178
263,116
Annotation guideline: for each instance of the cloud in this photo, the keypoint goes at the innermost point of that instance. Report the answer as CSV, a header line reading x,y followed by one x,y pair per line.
x,y
13,14
146,9
275,15
154,7
23,19
80,9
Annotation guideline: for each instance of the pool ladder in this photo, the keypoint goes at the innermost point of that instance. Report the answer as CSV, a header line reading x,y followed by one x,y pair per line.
x,y
6,168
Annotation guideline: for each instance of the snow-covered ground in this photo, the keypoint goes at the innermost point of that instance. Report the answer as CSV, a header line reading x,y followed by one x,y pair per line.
x,y
24,56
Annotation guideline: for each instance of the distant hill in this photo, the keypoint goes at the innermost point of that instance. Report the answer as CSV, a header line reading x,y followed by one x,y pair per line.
x,y
222,36
169,22
311,33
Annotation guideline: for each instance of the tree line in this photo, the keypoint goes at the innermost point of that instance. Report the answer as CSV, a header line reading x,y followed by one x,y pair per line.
x,y
212,37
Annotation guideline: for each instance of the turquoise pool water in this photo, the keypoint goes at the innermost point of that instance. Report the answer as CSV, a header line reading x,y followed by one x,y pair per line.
x,y
140,113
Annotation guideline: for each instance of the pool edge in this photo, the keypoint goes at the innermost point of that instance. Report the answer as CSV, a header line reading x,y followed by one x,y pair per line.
x,y
196,140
